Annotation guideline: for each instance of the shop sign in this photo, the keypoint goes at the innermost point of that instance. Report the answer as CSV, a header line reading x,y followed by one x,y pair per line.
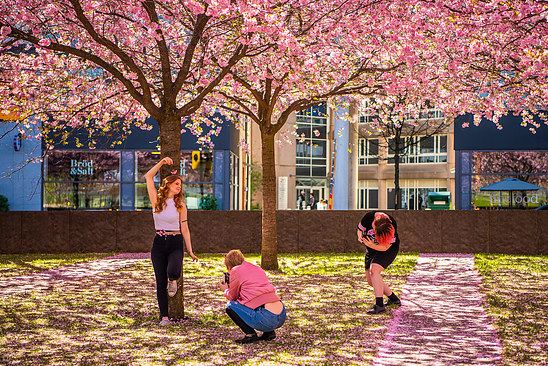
x,y
82,167
495,198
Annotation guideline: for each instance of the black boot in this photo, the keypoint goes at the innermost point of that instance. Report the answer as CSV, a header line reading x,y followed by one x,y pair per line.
x,y
393,299
249,338
268,336
377,309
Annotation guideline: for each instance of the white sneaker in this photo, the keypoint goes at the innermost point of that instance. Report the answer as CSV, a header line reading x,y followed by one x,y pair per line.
x,y
165,322
171,288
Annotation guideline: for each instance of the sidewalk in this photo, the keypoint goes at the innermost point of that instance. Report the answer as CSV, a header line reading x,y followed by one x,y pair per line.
x,y
47,279
442,320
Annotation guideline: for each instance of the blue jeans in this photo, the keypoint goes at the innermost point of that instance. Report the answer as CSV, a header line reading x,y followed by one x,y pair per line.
x,y
260,318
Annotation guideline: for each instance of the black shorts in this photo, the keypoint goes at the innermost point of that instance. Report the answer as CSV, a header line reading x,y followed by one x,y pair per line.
x,y
384,259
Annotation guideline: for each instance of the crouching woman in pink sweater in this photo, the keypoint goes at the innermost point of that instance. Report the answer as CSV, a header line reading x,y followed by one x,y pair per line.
x,y
253,303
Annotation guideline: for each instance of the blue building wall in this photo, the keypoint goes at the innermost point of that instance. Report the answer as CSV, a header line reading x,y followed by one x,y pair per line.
x,y
23,186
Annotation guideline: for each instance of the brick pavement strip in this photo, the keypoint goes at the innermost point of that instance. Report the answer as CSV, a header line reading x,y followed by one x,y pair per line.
x,y
442,320
44,280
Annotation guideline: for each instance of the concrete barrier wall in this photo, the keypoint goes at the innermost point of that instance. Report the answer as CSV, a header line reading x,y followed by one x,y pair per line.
x,y
510,232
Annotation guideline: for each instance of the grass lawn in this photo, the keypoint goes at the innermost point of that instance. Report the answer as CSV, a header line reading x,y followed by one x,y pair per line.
x,y
22,264
517,299
111,318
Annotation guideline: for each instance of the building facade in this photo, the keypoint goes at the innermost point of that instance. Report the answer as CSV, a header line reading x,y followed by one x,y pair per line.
x,y
331,158
70,176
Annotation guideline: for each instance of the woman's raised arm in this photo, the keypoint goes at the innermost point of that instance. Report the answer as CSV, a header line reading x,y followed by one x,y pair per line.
x,y
149,177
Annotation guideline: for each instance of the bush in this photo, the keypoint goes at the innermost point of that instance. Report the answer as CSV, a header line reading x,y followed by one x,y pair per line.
x,y
4,205
208,203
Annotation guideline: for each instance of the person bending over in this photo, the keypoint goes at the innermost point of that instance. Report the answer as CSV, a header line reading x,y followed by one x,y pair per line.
x,y
253,303
378,232
170,220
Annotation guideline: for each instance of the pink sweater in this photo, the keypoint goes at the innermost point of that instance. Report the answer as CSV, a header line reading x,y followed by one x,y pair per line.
x,y
250,286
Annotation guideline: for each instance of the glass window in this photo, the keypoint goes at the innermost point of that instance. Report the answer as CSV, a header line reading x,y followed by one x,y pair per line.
x,y
414,192
64,165
391,198
81,196
319,149
443,144
418,149
373,146
304,132
368,151
234,182
318,171
303,170
427,145
82,180
490,167
373,198
312,127
319,132
195,166
144,160
194,194
142,202
303,149
368,194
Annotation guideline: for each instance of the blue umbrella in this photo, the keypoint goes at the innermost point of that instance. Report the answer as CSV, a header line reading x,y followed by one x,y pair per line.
x,y
511,184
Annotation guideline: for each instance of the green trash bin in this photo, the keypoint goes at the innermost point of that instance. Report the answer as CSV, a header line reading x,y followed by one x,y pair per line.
x,y
439,200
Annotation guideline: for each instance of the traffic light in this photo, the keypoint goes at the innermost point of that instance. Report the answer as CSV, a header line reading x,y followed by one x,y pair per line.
x,y
195,159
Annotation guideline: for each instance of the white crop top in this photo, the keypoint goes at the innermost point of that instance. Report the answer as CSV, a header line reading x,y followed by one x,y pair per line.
x,y
168,219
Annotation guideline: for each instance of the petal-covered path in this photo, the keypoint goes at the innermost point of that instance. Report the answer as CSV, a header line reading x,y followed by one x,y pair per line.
x,y
69,274
442,320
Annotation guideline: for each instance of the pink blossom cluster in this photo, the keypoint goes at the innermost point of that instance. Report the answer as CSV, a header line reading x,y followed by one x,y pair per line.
x,y
85,63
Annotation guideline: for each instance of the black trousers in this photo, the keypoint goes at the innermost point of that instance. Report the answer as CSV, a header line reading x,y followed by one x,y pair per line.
x,y
167,260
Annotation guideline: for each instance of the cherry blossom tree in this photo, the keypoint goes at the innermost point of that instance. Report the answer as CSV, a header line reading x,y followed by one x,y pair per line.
x,y
389,48
486,57
499,68
93,62
86,64
100,65
336,49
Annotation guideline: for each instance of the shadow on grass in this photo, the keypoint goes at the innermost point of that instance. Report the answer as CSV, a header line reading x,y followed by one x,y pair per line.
x,y
21,264
516,288
111,318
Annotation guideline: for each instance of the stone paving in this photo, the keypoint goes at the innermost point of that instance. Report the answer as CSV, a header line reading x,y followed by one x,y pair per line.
x,y
442,320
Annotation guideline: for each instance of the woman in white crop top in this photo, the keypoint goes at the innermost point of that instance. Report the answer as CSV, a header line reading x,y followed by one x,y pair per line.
x,y
170,220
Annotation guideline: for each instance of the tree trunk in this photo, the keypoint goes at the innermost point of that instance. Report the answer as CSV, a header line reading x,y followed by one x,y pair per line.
x,y
176,304
170,145
269,248
397,138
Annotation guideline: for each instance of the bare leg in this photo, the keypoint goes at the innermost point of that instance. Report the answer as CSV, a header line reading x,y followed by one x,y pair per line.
x,y
368,277
379,287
